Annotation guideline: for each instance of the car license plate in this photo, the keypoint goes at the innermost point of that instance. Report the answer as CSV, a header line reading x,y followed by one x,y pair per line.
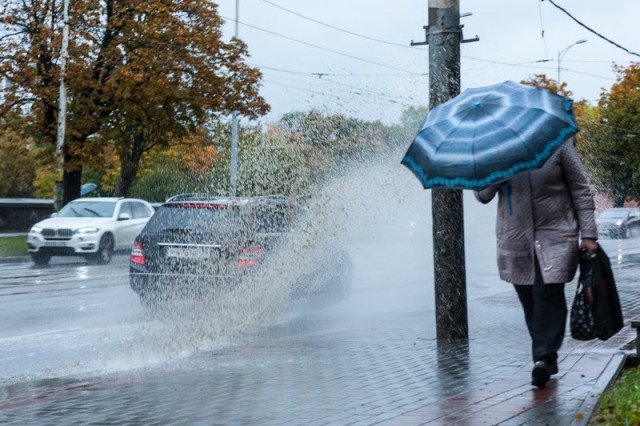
x,y
188,252
55,243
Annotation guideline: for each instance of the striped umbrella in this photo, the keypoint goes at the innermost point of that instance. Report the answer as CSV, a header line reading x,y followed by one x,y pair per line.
x,y
486,135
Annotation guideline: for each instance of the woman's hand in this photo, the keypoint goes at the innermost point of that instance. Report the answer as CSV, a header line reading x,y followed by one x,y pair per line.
x,y
589,244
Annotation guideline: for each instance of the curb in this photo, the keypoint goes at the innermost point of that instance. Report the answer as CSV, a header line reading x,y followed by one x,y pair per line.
x,y
14,259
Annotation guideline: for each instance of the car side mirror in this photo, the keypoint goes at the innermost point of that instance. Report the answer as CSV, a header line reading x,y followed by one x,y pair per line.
x,y
53,215
124,216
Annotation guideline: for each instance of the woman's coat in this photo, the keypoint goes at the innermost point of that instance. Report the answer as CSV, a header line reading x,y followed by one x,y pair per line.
x,y
542,213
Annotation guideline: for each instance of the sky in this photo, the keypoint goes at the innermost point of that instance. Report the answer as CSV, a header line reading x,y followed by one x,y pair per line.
x,y
354,56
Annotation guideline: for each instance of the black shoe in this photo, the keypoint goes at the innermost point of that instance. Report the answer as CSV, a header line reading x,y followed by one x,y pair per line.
x,y
553,367
540,374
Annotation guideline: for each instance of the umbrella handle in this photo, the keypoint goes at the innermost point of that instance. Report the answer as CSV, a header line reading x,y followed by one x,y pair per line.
x,y
505,188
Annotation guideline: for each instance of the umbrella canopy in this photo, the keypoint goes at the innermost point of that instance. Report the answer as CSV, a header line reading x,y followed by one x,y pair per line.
x,y
486,135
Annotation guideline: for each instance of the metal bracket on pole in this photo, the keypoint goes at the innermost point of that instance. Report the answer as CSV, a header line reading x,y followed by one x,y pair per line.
x,y
426,36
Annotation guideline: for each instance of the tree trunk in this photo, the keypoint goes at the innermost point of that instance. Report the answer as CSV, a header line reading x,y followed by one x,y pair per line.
x,y
130,156
618,200
71,182
128,173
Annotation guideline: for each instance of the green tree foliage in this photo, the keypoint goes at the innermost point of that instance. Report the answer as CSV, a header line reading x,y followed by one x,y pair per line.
x,y
273,166
399,136
332,137
612,133
139,74
168,177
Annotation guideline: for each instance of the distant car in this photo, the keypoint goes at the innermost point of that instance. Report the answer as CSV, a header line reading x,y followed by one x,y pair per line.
x,y
619,222
199,243
89,227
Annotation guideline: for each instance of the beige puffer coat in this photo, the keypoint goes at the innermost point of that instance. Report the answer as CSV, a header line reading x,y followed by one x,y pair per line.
x,y
548,209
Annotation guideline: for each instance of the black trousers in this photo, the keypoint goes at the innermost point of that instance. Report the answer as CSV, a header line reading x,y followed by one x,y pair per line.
x,y
545,312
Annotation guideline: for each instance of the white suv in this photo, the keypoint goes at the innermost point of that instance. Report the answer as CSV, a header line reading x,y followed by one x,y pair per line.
x,y
90,227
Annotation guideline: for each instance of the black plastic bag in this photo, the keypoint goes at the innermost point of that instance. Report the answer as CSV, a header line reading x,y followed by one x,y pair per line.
x,y
596,311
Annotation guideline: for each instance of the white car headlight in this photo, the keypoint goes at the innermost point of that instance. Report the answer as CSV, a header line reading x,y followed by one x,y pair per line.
x,y
619,223
36,230
87,230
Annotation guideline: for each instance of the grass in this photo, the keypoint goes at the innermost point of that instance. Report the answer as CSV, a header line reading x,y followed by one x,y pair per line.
x,y
13,246
620,405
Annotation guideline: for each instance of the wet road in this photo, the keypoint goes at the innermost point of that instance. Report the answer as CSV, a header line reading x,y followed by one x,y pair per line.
x,y
61,313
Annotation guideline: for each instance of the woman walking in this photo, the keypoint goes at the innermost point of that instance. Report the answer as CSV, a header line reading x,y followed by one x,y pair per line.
x,y
544,216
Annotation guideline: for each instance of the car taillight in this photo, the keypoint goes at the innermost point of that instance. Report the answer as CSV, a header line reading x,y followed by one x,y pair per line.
x,y
137,256
250,256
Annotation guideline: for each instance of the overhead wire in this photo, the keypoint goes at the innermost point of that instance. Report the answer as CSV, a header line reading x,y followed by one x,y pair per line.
x,y
367,93
403,72
525,65
323,48
323,78
544,40
338,28
331,96
592,30
333,74
339,97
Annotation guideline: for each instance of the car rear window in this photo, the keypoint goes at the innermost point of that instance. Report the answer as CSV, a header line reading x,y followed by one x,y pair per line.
x,y
200,216
614,214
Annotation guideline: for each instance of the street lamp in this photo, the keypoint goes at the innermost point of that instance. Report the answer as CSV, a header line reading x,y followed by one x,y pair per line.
x,y
563,52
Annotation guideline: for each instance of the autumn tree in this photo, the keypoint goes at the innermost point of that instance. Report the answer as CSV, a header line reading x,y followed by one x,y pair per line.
x,y
139,74
613,130
16,163
583,111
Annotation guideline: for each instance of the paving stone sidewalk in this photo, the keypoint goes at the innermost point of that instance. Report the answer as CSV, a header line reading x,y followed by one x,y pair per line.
x,y
587,369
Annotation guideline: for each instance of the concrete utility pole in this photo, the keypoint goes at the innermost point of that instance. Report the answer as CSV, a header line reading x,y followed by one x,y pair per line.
x,y
62,111
234,130
444,35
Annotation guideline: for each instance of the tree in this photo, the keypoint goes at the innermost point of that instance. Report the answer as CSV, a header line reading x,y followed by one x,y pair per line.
x,y
613,129
581,108
139,74
16,164
331,139
273,166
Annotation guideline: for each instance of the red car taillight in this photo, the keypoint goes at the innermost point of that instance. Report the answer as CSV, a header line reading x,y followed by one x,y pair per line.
x,y
250,256
137,256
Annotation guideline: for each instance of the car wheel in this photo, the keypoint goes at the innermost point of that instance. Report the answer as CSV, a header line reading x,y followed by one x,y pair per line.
x,y
40,258
105,250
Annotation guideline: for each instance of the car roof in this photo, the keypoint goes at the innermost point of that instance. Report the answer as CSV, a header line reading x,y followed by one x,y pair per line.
x,y
226,200
107,199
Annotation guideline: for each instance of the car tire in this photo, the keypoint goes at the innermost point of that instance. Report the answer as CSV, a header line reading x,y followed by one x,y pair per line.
x,y
105,250
151,297
40,258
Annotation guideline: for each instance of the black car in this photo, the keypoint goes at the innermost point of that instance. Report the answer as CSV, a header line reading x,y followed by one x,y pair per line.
x,y
619,222
197,243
